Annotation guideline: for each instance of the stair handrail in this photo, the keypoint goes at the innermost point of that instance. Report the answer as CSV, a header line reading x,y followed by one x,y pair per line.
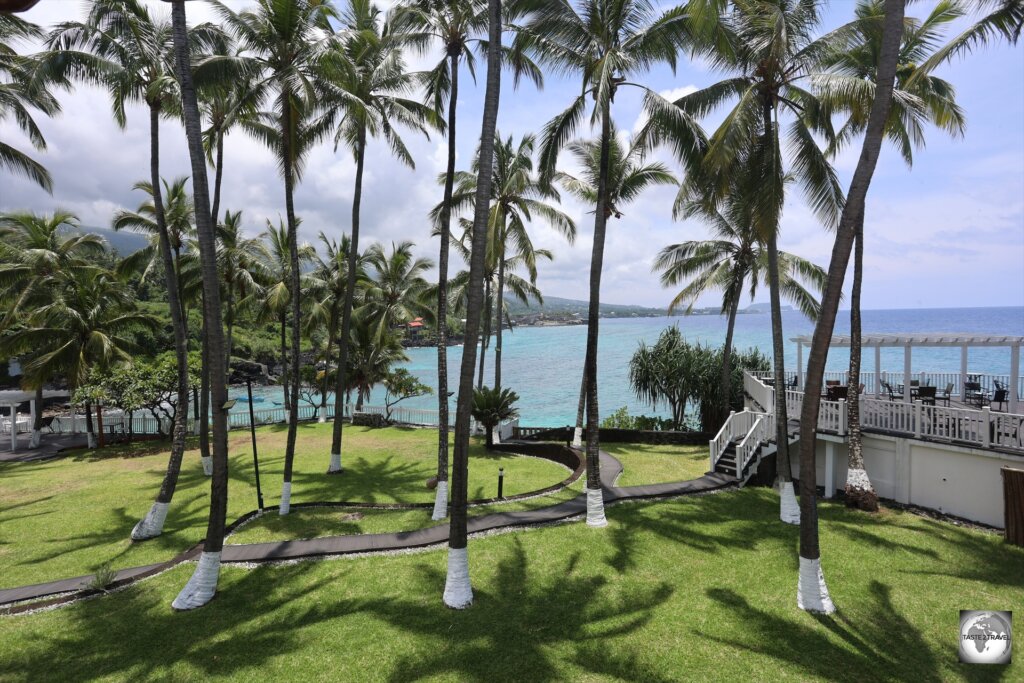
x,y
749,445
721,440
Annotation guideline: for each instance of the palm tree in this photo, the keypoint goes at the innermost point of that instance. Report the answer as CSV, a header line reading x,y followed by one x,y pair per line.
x,y
371,89
492,406
121,47
454,25
733,262
929,99
21,90
273,260
325,287
458,591
1004,21
626,177
36,253
812,593
516,196
286,43
372,356
606,43
238,261
203,584
396,291
773,51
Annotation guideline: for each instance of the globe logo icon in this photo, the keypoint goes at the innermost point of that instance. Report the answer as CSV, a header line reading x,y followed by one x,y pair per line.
x,y
985,637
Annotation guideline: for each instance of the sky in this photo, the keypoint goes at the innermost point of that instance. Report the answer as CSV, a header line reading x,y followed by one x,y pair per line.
x,y
947,233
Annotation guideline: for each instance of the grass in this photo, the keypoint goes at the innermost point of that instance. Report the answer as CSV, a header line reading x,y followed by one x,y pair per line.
x,y
68,517
651,464
692,589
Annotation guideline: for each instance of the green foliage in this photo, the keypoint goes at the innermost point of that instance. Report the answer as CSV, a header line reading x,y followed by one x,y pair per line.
x,y
492,406
621,419
400,385
102,578
675,372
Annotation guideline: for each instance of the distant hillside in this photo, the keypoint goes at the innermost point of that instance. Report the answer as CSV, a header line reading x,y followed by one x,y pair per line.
x,y
557,305
765,307
125,243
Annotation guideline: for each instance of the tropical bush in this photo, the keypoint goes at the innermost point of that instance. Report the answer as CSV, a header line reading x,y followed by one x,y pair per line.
x,y
621,419
492,406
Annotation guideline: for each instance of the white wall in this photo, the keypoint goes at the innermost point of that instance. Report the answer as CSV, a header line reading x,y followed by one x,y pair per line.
x,y
955,480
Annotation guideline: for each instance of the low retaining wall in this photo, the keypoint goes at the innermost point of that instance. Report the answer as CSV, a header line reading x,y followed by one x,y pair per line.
x,y
609,435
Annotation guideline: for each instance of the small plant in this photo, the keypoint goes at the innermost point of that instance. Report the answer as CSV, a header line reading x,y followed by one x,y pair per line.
x,y
104,576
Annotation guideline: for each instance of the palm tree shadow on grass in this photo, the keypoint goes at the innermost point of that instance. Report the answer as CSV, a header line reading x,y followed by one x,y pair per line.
x,y
135,635
884,647
507,633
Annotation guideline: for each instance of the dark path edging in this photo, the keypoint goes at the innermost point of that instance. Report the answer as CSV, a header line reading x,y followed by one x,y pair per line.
x,y
26,598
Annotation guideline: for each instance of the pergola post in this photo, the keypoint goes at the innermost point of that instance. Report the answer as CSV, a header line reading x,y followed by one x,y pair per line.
x,y
1014,376
14,427
878,371
32,408
906,373
963,371
800,365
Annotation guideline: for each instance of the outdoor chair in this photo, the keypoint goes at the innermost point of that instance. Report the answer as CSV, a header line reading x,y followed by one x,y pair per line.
x,y
47,424
831,383
1000,396
999,385
973,393
860,388
926,395
946,394
792,382
836,393
888,390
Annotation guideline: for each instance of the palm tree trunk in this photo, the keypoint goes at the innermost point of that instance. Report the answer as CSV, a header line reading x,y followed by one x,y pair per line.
x,y
726,386
37,421
488,312
284,359
458,592
577,438
789,511
204,404
203,584
332,331
441,492
229,342
499,306
152,524
90,435
859,492
296,299
218,176
346,311
595,500
812,594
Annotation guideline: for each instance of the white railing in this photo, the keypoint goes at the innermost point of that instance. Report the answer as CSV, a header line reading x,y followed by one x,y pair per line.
x,y
751,442
930,378
736,426
761,393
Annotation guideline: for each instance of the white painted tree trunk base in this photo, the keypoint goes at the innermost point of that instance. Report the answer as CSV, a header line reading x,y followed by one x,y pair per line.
x,y
196,427
811,591
201,588
458,593
789,508
90,440
577,438
858,479
321,419
207,465
37,437
286,498
335,465
440,501
595,508
152,525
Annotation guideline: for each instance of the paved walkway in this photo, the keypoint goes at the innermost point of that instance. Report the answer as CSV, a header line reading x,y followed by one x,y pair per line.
x,y
50,447
611,468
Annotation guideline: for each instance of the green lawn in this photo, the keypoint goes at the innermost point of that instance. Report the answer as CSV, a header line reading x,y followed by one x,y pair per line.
x,y
650,464
690,589
67,517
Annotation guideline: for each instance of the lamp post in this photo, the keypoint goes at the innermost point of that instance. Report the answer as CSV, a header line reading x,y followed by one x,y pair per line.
x,y
501,481
255,458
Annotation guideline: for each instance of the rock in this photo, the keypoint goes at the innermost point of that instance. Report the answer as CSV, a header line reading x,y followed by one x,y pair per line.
x,y
432,483
242,370
367,420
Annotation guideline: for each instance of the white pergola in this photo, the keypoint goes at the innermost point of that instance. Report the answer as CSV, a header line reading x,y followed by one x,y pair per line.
x,y
12,398
908,341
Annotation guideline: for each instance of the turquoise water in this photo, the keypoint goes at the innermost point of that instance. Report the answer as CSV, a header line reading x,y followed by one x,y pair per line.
x,y
544,364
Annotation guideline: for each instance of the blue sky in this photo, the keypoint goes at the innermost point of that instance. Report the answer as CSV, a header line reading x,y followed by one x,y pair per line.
x,y
949,232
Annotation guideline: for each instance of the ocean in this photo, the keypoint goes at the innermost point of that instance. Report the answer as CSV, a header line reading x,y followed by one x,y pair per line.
x,y
544,364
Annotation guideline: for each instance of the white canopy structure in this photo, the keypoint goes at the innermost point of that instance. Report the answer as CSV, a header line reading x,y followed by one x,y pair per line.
x,y
907,341
12,398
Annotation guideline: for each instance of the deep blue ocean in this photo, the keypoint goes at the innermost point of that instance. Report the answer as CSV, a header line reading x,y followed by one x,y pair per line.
x,y
544,364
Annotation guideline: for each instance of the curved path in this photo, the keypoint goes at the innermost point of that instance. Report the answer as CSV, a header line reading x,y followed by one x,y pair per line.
x,y
276,551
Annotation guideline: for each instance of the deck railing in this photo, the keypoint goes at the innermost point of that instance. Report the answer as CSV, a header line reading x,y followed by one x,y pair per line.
x,y
978,428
